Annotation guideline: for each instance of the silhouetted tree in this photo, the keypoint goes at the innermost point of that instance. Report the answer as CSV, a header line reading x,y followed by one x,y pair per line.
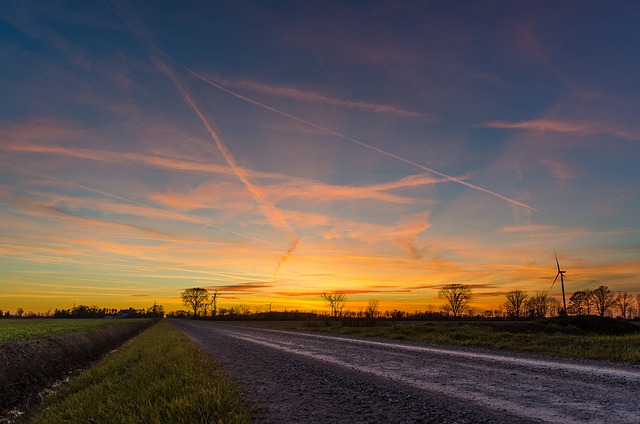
x,y
336,301
603,299
214,302
538,306
195,298
624,303
19,312
371,311
457,296
515,303
155,311
580,303
243,310
638,305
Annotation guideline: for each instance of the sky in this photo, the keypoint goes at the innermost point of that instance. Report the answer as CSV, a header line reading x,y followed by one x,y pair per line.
x,y
274,150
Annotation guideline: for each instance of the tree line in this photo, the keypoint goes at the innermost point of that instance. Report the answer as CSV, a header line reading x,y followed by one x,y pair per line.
x,y
600,301
457,303
84,311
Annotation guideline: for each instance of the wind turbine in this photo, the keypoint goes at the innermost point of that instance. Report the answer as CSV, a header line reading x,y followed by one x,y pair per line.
x,y
561,275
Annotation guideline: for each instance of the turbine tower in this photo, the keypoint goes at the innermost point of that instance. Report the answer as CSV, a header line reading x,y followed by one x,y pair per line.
x,y
561,275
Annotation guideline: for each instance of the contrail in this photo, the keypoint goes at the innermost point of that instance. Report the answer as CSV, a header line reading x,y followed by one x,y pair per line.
x,y
148,38
269,210
124,199
346,137
292,248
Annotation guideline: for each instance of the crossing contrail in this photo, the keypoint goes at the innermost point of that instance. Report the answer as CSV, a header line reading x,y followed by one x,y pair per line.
x,y
273,215
268,208
346,137
148,38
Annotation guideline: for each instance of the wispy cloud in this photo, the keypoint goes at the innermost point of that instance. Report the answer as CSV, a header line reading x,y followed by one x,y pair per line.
x,y
343,291
315,97
55,211
134,202
405,235
567,127
251,287
343,136
288,187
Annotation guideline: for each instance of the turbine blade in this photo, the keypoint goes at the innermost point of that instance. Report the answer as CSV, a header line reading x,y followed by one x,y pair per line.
x,y
554,280
557,263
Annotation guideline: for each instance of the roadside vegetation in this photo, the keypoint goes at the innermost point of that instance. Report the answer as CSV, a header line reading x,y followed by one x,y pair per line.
x,y
158,377
29,366
13,330
573,337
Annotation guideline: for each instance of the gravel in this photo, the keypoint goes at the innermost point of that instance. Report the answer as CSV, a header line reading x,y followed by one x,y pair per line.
x,y
295,377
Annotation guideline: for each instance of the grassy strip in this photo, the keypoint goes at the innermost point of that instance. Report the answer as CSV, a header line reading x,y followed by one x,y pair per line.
x,y
13,330
158,377
624,348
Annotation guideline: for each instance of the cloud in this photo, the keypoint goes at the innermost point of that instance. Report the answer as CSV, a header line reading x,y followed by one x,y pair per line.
x,y
252,287
548,232
321,192
314,97
52,210
343,136
407,231
343,291
566,127
20,135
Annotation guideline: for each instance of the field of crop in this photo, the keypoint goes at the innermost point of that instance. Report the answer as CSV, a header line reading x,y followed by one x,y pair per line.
x,y
13,330
158,377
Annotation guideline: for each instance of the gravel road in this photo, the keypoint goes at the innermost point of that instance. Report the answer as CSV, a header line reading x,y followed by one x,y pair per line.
x,y
314,378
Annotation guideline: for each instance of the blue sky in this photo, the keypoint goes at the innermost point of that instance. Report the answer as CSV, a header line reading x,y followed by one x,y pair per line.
x,y
277,150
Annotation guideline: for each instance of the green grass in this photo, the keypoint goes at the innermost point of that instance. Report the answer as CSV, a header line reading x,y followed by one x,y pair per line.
x,y
527,337
158,377
12,330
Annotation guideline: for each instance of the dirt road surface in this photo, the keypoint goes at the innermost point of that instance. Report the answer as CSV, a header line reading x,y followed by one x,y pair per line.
x,y
315,378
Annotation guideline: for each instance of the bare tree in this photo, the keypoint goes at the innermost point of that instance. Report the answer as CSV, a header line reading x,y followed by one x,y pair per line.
x,y
372,309
214,302
580,303
538,306
196,298
638,305
603,299
336,301
458,297
515,303
244,310
624,303
555,308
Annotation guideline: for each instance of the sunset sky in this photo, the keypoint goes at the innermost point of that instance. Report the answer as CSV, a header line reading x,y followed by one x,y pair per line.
x,y
274,150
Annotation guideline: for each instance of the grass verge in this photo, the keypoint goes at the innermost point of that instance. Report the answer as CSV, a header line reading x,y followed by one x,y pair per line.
x,y
526,337
158,377
13,330
29,366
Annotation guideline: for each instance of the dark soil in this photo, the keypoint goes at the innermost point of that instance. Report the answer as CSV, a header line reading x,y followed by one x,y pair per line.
x,y
28,367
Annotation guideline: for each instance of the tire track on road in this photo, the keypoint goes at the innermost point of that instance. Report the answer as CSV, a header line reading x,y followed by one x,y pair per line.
x,y
489,386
